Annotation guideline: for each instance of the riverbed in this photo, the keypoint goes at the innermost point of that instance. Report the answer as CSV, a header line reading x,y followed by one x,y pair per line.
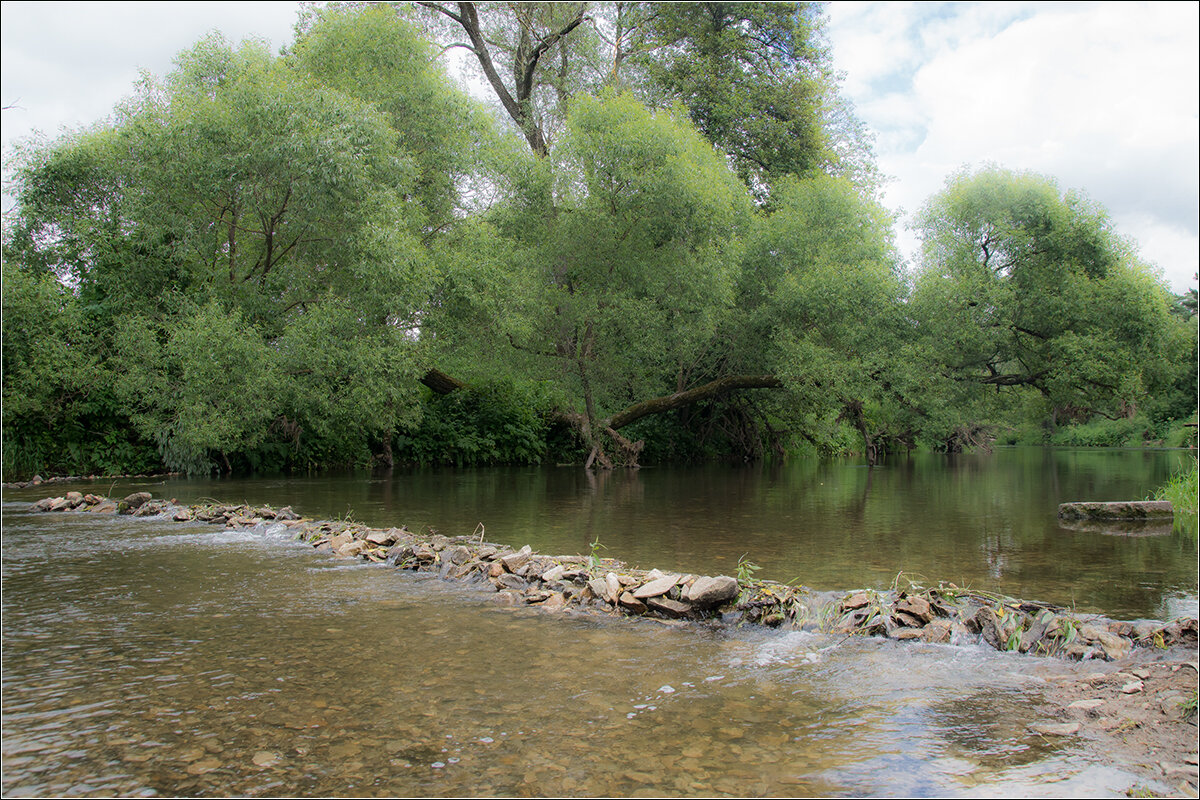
x,y
144,657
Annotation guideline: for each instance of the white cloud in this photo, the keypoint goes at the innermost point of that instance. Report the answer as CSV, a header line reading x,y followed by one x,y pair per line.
x,y
1102,98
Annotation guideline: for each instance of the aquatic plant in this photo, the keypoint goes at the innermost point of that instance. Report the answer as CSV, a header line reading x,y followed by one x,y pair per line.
x,y
1181,491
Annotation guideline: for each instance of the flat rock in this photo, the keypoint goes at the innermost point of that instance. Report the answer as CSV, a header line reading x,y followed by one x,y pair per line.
x,y
1133,509
627,600
1133,687
856,600
1055,728
672,608
917,607
1087,705
659,586
510,581
713,591
554,573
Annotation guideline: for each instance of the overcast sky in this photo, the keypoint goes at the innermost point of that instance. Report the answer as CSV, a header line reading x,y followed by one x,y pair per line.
x,y
1101,97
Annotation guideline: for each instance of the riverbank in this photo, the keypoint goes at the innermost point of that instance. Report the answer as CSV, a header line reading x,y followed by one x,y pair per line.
x,y
945,614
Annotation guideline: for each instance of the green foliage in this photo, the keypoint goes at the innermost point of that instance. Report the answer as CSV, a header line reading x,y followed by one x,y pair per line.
x,y
1023,287
1182,491
755,79
500,423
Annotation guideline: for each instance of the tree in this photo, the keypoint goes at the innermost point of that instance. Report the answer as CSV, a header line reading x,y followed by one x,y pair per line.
x,y
530,37
244,222
619,286
1023,286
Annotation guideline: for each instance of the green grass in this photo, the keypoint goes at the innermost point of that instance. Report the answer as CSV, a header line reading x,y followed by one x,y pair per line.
x,y
1181,491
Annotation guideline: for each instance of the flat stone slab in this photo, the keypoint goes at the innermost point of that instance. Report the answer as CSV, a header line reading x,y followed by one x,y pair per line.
x,y
1124,510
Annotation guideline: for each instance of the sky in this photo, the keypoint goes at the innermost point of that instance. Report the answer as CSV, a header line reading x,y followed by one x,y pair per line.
x,y
1100,97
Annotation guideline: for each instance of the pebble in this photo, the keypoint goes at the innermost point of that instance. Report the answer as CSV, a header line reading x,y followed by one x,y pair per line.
x,y
1133,687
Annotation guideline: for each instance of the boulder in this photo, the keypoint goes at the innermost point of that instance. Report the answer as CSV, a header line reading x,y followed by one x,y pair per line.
x,y
74,499
707,592
554,573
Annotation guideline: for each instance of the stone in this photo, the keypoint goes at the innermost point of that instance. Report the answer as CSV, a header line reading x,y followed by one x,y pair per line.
x,y
340,541
510,597
495,569
135,501
74,499
59,504
657,587
458,555
902,634
555,602
1135,509
1114,647
598,587
855,601
514,561
554,573
672,608
627,600
1133,687
917,607
182,515
352,548
383,538
265,759
286,513
1055,728
43,504
937,632
707,592
908,620
510,581
1087,705
612,587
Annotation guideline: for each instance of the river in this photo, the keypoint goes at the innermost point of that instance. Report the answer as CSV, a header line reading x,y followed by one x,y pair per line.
x,y
143,657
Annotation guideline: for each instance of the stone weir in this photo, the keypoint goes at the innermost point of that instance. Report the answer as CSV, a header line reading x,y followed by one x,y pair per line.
x,y
587,584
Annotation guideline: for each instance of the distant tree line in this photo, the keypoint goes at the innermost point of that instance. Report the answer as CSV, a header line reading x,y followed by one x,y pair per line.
x,y
662,242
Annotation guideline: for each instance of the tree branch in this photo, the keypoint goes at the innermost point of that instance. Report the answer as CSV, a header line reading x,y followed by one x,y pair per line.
x,y
708,391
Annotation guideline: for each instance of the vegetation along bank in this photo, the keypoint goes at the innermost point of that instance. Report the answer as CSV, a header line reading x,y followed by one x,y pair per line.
x,y
663,242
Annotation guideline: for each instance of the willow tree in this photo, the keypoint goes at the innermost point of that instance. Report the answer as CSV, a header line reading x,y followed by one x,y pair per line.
x,y
249,222
1023,286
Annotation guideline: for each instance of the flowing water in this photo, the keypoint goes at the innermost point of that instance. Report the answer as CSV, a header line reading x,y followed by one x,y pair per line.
x,y
144,657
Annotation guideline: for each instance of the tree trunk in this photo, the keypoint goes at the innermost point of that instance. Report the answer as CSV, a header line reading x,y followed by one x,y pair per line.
x,y
440,382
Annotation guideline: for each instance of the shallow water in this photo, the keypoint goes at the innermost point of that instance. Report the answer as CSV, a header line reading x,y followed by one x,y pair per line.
x,y
143,657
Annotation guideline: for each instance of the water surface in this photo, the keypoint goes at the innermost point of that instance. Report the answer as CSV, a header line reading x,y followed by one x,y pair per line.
x,y
144,657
